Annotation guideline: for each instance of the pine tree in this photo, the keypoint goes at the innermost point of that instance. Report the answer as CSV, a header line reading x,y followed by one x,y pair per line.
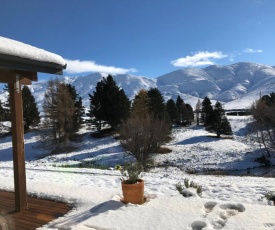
x,y
190,114
109,103
171,110
217,121
79,108
140,107
206,111
2,112
226,127
156,104
179,105
30,110
182,112
6,105
269,100
198,110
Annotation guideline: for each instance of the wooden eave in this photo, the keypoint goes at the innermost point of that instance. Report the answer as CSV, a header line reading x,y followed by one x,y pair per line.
x,y
9,62
17,71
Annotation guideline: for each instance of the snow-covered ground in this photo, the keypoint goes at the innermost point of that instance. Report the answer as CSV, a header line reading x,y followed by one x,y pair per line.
x,y
227,202
198,150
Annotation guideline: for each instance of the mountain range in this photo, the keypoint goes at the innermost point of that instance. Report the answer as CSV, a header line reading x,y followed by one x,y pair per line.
x,y
237,86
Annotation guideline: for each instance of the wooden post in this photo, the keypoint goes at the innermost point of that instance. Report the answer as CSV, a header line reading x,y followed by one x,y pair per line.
x,y
18,147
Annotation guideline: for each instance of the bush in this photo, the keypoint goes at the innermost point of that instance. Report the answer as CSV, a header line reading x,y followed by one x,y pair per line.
x,y
188,184
264,127
131,173
270,195
143,136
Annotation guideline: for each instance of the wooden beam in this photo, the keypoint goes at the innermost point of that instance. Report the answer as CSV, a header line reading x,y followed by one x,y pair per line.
x,y
30,75
18,148
25,78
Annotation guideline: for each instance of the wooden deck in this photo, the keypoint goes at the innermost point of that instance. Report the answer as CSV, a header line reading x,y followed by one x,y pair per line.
x,y
39,212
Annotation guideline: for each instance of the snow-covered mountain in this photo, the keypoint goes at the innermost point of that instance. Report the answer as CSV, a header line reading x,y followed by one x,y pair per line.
x,y
236,85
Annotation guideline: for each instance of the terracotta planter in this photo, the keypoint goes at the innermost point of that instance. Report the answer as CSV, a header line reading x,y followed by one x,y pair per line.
x,y
133,193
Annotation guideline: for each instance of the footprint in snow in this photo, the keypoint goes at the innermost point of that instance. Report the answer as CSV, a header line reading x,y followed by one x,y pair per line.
x,y
198,225
228,210
209,206
218,222
232,209
269,225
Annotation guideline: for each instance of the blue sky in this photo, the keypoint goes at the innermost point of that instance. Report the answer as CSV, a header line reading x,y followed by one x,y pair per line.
x,y
144,37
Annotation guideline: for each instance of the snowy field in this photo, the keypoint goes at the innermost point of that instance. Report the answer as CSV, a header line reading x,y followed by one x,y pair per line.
x,y
227,202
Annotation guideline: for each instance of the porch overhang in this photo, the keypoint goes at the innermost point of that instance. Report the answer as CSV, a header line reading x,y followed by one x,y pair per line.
x,y
19,64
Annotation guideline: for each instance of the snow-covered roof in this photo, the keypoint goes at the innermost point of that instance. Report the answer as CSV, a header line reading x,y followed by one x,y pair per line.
x,y
18,55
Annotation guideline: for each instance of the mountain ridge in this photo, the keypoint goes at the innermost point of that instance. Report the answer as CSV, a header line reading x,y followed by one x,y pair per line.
x,y
236,85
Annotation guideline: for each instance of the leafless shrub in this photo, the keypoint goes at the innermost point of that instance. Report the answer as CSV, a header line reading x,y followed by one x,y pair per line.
x,y
143,136
264,126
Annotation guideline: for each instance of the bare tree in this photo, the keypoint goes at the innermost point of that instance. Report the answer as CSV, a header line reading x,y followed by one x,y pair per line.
x,y
264,125
142,136
59,110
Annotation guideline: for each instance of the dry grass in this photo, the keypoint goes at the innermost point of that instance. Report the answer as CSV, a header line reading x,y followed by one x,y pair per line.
x,y
163,150
103,133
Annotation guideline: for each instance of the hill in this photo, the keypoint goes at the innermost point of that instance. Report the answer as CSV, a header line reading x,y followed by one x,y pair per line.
x,y
236,85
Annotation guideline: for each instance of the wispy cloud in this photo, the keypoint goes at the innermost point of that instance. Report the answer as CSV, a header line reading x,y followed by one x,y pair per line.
x,y
77,66
201,58
249,50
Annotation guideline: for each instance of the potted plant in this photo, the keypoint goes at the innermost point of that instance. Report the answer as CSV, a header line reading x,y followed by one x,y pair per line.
x,y
270,196
132,185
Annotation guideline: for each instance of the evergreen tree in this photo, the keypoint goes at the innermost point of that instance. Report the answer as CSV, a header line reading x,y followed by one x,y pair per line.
x,y
226,127
179,107
2,112
6,105
198,110
171,110
206,111
156,104
269,100
219,123
109,103
140,107
190,114
79,108
30,110
182,114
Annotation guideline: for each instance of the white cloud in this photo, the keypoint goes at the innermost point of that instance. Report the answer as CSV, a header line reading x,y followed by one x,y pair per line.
x,y
249,50
77,66
201,58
